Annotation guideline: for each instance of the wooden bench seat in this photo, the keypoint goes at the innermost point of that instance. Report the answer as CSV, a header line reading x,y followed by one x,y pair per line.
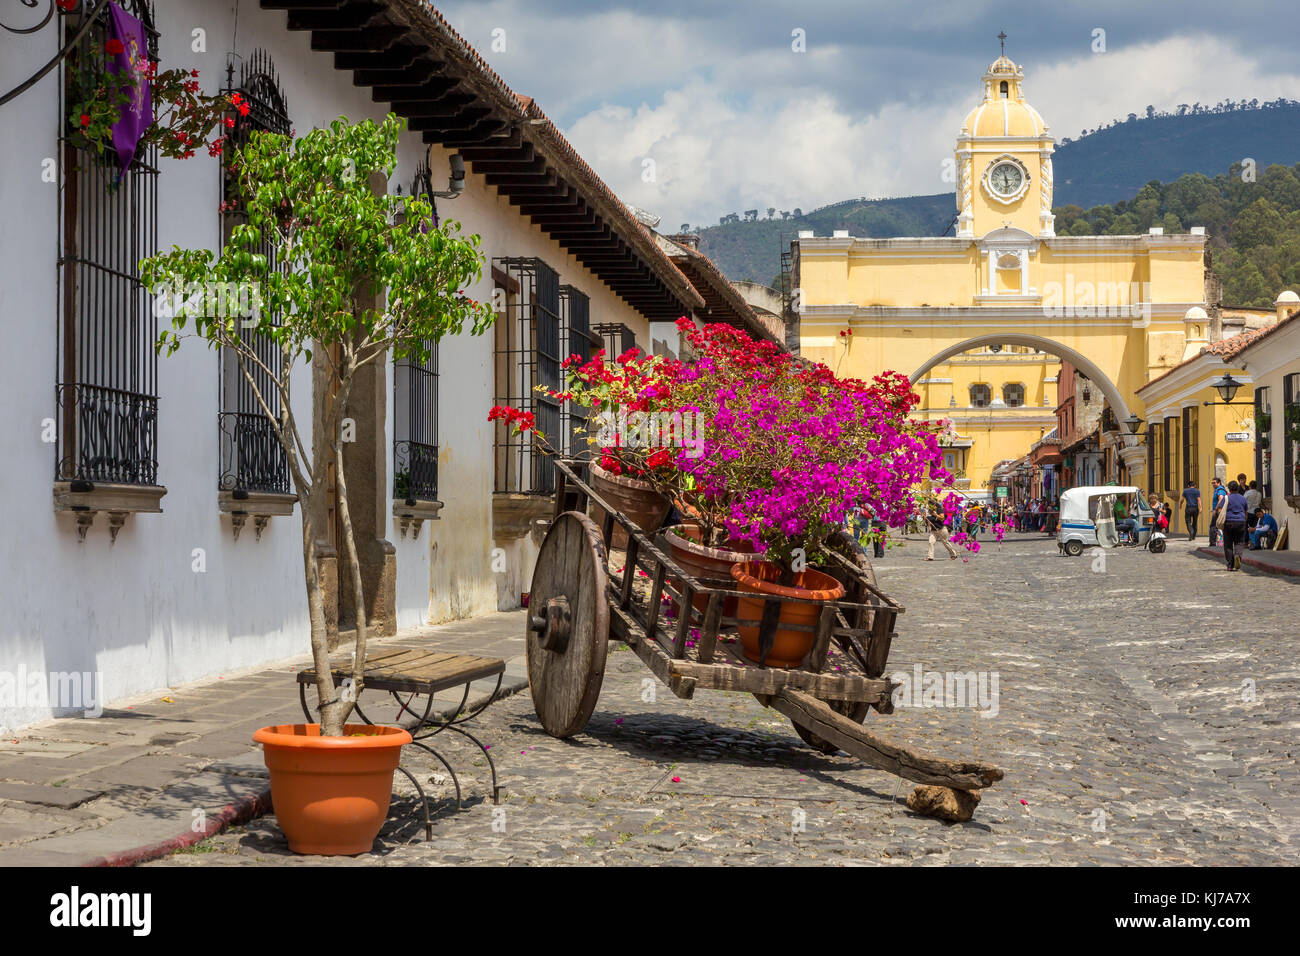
x,y
413,670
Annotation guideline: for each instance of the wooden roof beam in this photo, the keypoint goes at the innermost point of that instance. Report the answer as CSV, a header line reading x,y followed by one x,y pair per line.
x,y
350,17
484,132
459,121
432,89
371,38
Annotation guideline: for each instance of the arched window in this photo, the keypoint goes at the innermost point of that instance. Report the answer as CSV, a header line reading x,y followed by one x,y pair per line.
x,y
980,396
251,456
1013,394
1004,89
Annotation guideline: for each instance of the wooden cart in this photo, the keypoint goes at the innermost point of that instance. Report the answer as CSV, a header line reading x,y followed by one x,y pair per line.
x,y
584,596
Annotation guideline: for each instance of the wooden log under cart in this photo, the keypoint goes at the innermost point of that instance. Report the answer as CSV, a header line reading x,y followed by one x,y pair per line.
x,y
854,739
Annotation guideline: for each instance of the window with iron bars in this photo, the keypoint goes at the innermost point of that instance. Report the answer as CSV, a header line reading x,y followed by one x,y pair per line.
x,y
1191,446
1290,428
415,404
106,392
1156,454
251,457
527,355
576,338
415,427
1170,446
1263,441
617,338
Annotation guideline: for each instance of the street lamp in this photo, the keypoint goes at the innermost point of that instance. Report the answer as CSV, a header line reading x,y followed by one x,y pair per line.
x,y
1227,388
1132,423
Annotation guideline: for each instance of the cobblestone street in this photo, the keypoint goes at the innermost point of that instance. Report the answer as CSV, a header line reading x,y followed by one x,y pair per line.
x,y
1146,713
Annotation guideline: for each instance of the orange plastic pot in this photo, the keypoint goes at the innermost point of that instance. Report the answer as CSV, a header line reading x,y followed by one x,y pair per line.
x,y
790,646
331,794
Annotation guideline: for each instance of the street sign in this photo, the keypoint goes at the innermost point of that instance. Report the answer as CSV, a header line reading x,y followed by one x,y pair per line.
x,y
1238,436
1002,491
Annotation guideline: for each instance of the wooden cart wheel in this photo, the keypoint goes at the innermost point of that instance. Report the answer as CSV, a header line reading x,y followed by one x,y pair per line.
x,y
568,624
855,710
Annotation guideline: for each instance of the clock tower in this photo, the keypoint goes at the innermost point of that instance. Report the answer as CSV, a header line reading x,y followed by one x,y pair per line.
x,y
1004,160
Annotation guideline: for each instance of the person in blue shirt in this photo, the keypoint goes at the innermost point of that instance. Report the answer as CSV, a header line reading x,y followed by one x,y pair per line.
x,y
1216,502
1191,508
1265,533
1234,525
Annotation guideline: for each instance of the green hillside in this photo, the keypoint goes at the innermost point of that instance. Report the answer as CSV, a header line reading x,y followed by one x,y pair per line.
x,y
1103,166
1254,226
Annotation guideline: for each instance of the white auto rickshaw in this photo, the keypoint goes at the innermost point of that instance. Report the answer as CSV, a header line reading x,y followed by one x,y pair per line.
x,y
1088,518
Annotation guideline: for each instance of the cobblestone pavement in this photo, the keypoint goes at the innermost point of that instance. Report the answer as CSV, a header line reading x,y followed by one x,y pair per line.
x,y
1147,712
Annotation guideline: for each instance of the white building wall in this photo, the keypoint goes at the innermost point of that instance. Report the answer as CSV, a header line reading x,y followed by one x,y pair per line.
x,y
140,611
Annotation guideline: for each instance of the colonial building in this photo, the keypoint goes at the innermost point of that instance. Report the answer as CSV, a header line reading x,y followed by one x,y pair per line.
x,y
1272,360
1120,309
154,532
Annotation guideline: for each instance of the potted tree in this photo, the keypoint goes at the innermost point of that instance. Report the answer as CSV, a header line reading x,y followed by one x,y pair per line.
x,y
362,275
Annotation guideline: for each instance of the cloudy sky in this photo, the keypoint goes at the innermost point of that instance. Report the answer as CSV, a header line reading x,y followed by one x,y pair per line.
x,y
734,118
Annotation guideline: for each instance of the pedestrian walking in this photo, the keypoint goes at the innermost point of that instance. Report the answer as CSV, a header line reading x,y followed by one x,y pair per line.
x,y
1217,497
1191,508
1234,525
938,531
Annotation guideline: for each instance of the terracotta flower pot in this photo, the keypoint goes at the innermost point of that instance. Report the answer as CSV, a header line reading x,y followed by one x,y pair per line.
x,y
637,499
331,793
790,647
708,565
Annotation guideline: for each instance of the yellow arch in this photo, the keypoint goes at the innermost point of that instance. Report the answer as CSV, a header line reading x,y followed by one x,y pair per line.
x,y
1075,358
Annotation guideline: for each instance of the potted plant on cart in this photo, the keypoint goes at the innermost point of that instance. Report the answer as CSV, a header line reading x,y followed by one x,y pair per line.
x,y
794,451
352,289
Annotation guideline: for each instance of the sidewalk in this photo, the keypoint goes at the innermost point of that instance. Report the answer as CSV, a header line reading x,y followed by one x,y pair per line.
x,y
153,776
1286,563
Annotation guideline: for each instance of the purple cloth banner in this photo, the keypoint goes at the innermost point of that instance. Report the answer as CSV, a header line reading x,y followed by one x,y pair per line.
x,y
136,115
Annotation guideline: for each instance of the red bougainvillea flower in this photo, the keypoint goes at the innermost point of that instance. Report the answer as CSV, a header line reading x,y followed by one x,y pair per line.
x,y
114,46
519,421
85,120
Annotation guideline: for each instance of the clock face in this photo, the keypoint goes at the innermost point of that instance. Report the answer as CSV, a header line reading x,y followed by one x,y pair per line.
x,y
1006,179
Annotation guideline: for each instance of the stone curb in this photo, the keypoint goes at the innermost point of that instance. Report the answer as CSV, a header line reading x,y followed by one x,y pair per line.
x,y
1250,562
258,804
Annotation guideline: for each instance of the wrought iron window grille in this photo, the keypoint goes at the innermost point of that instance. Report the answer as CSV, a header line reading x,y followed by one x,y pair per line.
x,y
527,355
251,456
577,338
106,395
617,338
415,428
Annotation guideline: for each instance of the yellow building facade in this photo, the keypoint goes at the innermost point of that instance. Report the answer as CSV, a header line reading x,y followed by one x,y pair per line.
x,y
1121,309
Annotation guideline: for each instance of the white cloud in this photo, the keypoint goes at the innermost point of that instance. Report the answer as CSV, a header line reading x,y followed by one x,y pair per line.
x,y
720,147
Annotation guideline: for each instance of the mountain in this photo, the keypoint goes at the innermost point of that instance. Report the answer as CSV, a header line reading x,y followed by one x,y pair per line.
x,y
1101,167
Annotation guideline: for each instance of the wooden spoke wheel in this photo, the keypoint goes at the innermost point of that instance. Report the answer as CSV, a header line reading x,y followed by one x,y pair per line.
x,y
568,624
855,710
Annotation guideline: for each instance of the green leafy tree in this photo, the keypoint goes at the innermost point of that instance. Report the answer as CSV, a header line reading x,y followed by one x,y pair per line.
x,y
362,275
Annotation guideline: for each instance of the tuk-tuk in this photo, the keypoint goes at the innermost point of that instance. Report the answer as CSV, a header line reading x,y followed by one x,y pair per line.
x,y
1088,517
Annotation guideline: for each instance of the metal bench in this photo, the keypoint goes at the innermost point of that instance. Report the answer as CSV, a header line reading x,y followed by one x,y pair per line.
x,y
414,672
